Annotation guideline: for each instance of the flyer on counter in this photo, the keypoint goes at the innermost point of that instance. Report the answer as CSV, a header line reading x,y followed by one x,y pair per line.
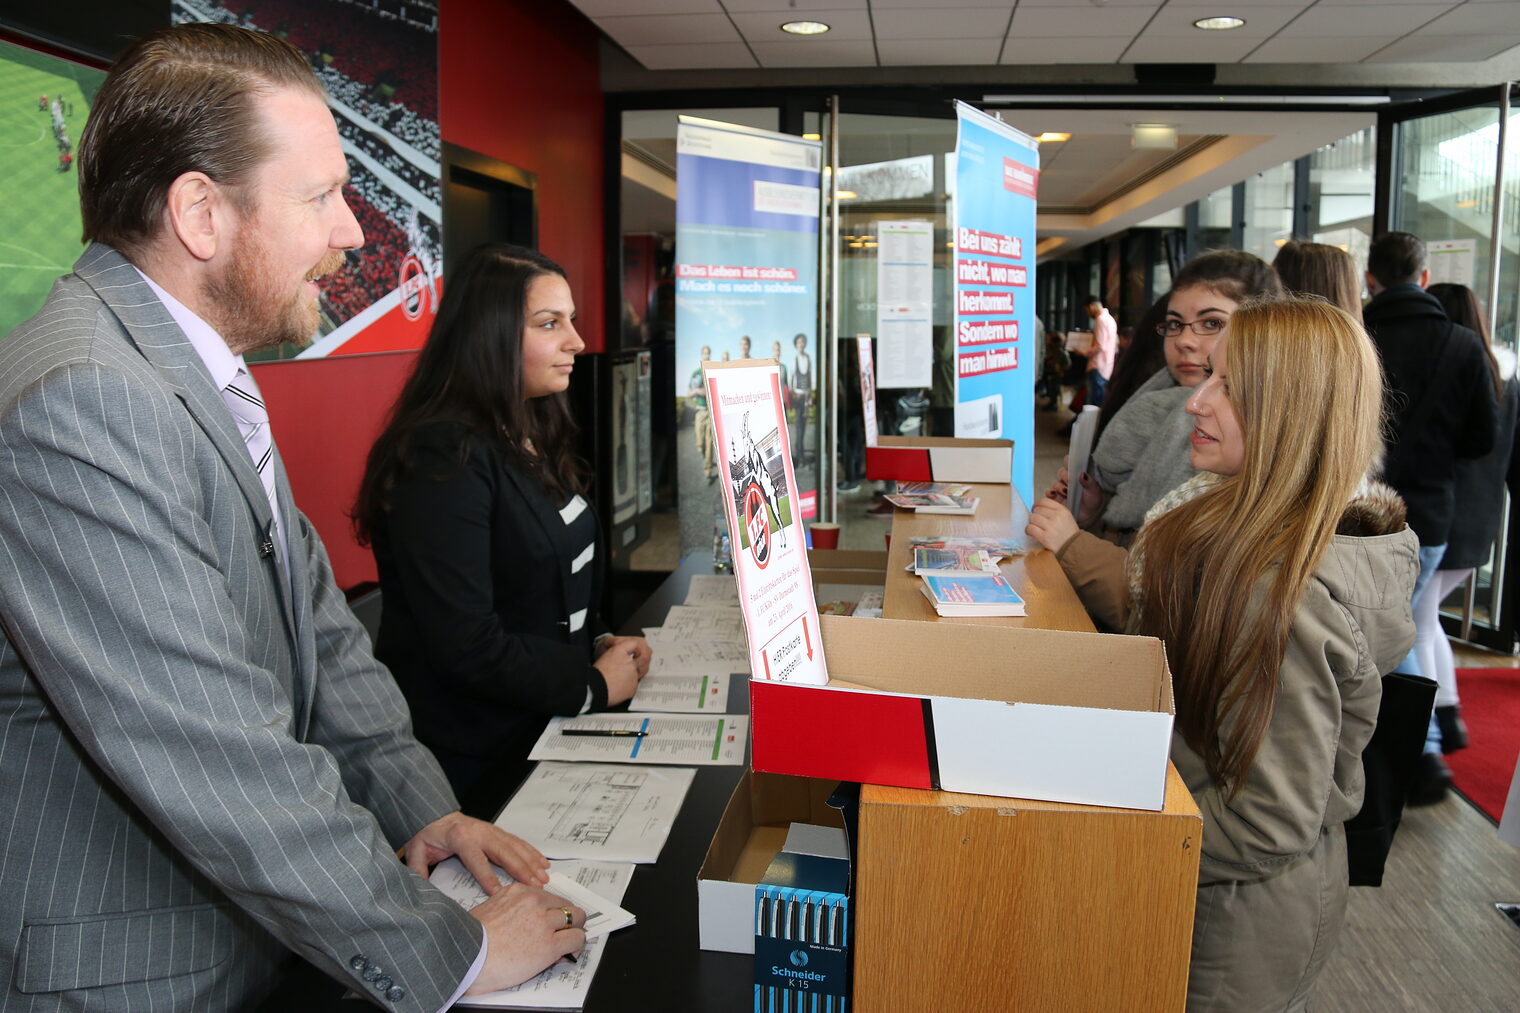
x,y
764,522
707,740
610,812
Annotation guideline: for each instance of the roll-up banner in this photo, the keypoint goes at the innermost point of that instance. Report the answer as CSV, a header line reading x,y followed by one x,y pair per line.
x,y
997,173
747,272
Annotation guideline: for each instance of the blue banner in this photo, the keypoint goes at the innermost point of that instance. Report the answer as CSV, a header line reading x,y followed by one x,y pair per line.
x,y
746,280
996,176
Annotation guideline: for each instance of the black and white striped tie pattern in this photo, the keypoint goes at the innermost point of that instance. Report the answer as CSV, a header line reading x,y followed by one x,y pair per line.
x,y
242,397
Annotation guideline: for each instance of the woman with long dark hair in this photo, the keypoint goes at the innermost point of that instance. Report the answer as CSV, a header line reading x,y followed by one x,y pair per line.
x,y
1277,579
1479,496
488,552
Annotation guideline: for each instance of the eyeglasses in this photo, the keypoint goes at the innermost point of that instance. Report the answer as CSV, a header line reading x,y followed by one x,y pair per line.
x,y
1205,327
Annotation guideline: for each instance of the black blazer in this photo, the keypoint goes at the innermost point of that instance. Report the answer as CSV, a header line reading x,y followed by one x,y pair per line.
x,y
475,572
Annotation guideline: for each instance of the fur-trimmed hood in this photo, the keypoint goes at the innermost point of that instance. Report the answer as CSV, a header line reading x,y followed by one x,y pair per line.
x,y
1370,568
1375,509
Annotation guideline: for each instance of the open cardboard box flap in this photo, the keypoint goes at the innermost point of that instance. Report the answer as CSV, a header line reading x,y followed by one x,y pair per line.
x,y
751,834
1045,714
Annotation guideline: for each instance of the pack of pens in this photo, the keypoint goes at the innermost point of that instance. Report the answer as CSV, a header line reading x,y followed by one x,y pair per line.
x,y
802,931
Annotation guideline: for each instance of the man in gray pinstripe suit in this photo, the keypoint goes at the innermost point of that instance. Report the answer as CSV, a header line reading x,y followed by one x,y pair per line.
x,y
201,766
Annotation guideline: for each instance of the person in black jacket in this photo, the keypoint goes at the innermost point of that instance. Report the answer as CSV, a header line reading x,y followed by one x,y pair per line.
x,y
1442,409
1479,511
488,552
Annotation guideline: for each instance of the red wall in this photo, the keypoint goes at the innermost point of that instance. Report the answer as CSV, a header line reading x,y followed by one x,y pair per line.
x,y
519,82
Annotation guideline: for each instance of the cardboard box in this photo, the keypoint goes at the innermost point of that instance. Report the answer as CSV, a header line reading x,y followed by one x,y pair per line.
x,y
748,839
940,459
987,710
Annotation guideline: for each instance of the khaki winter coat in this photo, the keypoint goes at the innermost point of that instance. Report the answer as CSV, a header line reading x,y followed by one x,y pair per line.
x,y
1272,881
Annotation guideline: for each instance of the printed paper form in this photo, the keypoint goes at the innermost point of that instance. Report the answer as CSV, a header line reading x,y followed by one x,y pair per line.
x,y
602,915
715,740
695,694
564,985
608,812
695,657
703,622
717,589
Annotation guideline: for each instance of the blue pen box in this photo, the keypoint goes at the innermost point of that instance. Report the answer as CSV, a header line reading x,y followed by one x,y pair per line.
x,y
802,925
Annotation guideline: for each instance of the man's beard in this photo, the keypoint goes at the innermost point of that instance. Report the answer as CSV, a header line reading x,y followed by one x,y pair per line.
x,y
252,313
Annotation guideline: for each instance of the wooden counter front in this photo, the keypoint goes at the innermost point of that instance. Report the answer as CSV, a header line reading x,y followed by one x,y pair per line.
x,y
971,902
1035,576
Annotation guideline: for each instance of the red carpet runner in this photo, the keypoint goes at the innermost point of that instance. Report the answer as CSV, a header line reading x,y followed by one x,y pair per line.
x,y
1491,708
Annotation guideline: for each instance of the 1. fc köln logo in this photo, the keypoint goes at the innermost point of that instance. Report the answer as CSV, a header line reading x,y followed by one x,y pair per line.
x,y
758,523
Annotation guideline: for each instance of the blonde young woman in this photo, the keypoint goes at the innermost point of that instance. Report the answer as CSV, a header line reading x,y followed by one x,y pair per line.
x,y
1278,578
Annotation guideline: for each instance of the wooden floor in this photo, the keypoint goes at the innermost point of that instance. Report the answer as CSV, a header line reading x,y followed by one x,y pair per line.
x,y
1430,939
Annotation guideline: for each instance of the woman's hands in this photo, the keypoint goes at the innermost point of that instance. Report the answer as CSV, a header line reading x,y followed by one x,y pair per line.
x,y
1051,523
623,661
1094,497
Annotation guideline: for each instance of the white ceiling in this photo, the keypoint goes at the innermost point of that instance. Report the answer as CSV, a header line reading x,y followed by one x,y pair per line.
x,y
746,34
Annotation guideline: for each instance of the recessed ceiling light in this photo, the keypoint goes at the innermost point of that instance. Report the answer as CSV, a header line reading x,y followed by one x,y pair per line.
x,y
1053,137
805,27
812,137
847,195
1222,24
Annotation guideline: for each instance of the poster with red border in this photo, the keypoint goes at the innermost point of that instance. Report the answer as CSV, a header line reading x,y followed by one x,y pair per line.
x,y
765,521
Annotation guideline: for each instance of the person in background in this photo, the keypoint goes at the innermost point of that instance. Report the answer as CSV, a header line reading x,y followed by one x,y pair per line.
x,y
1319,269
1277,580
1476,517
203,767
1441,409
490,558
1143,453
1134,366
1057,362
800,382
1100,361
702,431
776,354
744,346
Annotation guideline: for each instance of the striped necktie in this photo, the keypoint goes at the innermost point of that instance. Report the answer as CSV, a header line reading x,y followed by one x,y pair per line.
x,y
242,398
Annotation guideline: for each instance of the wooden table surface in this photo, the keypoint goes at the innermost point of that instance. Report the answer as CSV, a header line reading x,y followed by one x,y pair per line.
x,y
1035,576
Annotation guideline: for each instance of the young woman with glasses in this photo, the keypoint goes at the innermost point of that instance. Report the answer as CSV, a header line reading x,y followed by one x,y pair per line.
x,y
1143,452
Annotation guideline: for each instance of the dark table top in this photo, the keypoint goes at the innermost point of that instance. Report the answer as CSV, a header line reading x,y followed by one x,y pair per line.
x,y
656,964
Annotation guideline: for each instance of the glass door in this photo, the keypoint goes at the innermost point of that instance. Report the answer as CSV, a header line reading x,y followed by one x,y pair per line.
x,y
1455,183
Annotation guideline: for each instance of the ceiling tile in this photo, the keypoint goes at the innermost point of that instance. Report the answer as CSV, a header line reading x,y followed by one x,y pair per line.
x,y
982,52
664,29
724,55
815,53
1075,20
1476,19
806,12
1095,7
1004,5
847,26
1029,51
602,8
1331,49
940,23
1262,21
1422,48
1434,6
1388,21
1188,49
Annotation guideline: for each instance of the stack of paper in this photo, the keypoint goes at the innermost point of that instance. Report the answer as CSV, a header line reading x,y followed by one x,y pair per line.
x,y
956,560
972,595
935,503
